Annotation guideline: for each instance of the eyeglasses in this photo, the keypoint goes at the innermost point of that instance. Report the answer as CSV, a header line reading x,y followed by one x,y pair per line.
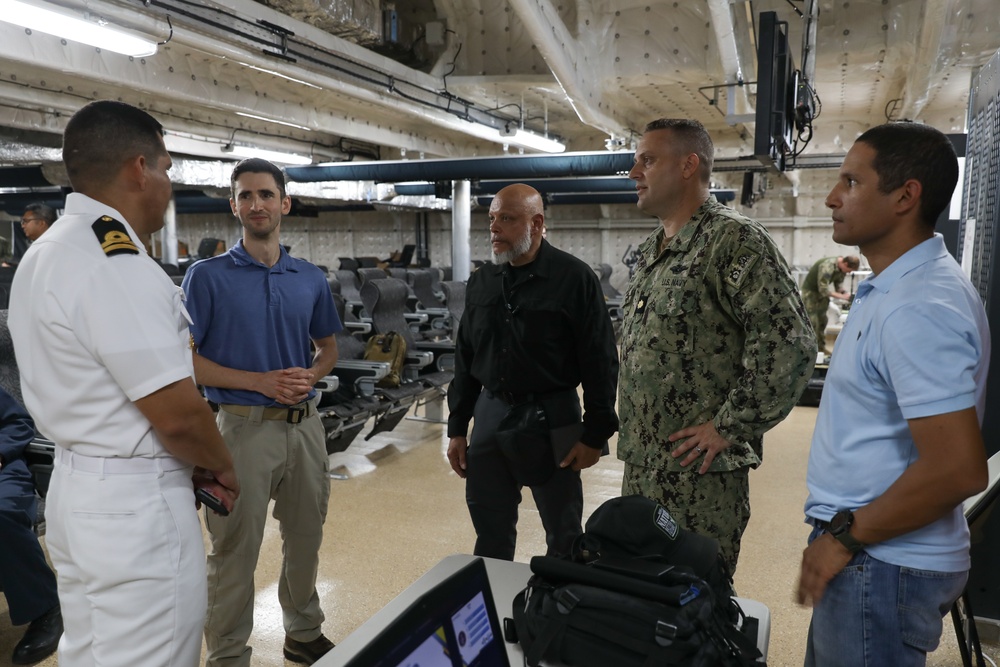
x,y
29,220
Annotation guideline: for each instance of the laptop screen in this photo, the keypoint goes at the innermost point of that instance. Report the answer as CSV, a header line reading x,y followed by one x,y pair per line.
x,y
452,625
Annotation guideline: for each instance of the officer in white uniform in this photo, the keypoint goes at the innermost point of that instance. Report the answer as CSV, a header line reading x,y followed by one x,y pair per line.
x,y
100,335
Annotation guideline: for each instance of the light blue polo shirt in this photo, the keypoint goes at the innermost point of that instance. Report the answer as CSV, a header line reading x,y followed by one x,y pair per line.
x,y
257,318
916,344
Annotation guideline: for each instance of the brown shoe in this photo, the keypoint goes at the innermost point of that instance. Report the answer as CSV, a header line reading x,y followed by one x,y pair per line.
x,y
307,653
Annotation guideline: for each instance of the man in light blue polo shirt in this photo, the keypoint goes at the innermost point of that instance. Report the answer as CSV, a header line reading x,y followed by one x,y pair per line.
x,y
897,445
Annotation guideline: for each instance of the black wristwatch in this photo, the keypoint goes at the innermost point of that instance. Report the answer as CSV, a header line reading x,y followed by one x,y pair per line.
x,y
840,529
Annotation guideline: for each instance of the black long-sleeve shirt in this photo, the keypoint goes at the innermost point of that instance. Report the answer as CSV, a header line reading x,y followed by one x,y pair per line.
x,y
537,329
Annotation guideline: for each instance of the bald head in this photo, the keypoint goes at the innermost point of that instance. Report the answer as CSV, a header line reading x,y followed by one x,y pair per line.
x,y
517,218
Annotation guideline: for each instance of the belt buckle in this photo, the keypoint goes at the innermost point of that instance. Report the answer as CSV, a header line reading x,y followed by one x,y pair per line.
x,y
295,415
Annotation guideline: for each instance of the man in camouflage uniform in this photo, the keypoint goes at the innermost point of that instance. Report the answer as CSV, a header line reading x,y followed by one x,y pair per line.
x,y
825,280
716,346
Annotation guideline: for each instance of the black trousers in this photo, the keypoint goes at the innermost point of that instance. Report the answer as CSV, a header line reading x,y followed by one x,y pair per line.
x,y
493,495
28,582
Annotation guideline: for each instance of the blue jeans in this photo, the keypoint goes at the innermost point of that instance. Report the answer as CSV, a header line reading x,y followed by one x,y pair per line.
x,y
874,614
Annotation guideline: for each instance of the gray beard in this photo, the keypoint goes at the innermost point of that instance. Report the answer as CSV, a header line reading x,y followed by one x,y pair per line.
x,y
522,246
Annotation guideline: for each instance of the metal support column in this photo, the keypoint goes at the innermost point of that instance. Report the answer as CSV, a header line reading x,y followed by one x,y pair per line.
x,y
461,221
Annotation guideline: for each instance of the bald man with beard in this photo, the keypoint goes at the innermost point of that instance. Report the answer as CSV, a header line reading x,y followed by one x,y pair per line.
x,y
535,328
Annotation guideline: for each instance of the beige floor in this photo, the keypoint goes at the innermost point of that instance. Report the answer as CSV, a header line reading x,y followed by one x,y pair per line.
x,y
402,509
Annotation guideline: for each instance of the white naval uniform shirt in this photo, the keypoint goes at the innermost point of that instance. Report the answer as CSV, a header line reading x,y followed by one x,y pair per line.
x,y
93,333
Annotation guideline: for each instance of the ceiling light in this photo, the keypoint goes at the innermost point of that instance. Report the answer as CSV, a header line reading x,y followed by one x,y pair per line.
x,y
264,154
509,134
76,29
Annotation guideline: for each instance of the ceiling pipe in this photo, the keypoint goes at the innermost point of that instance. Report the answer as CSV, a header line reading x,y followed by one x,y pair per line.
x,y
484,187
482,126
733,70
809,43
518,166
559,49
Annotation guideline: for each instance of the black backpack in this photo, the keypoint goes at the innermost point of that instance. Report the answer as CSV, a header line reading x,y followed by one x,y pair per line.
x,y
638,591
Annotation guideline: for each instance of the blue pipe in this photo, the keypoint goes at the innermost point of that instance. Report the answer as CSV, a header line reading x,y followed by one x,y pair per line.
x,y
471,169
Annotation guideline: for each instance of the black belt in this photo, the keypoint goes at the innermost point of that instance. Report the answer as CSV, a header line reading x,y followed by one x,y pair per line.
x,y
291,415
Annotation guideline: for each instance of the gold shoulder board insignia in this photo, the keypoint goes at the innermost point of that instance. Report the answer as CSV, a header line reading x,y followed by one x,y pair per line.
x,y
113,237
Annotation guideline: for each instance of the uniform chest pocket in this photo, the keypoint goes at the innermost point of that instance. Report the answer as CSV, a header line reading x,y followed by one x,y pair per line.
x,y
483,300
541,320
669,322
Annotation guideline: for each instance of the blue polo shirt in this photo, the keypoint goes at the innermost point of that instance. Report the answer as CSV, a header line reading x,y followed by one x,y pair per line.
x,y
916,344
257,318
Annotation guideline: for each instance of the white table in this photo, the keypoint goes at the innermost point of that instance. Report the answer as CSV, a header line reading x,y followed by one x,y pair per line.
x,y
506,579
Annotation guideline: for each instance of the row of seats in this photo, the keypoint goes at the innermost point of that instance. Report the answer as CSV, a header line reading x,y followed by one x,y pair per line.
x,y
384,305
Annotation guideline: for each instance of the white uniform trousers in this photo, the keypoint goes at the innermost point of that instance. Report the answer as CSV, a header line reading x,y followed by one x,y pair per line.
x,y
126,543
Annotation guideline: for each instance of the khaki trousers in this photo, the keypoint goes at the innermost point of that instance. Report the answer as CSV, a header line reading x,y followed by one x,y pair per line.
x,y
278,461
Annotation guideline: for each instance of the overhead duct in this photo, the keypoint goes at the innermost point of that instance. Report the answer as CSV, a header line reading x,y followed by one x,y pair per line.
x,y
520,166
568,198
491,187
541,20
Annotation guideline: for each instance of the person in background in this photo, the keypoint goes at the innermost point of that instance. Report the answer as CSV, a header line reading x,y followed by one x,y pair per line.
x,y
897,446
824,281
28,582
255,313
100,337
716,345
535,328
35,221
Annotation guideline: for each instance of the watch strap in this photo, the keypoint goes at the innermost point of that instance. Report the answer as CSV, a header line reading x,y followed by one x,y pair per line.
x,y
851,544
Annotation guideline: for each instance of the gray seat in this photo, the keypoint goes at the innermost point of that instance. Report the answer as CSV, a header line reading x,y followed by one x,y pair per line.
x,y
385,302
346,411
454,292
366,274
420,281
610,291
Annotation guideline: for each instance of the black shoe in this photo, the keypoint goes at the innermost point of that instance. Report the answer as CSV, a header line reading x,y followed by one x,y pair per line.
x,y
41,638
307,653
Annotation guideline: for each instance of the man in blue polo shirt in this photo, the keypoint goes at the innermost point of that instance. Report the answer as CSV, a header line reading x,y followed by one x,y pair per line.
x,y
255,310
897,445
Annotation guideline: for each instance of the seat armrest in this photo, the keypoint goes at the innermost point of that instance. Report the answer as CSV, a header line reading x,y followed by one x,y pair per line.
x,y
416,318
363,328
375,369
327,384
434,312
419,358
446,362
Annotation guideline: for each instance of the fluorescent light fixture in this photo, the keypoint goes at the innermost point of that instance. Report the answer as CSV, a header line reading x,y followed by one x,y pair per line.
x,y
519,137
271,156
75,29
274,120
